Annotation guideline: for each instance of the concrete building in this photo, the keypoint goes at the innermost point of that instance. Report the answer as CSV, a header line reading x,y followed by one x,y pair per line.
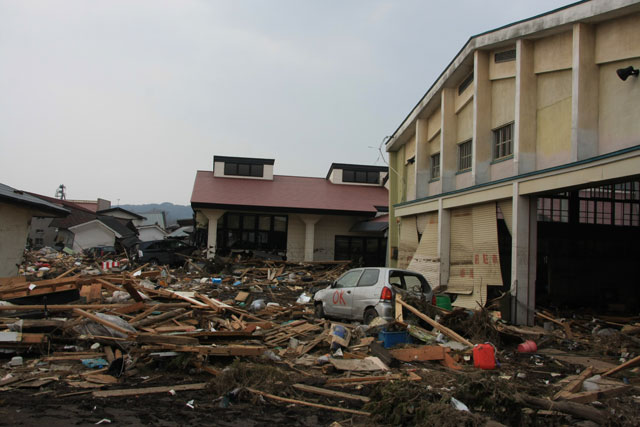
x,y
17,208
242,205
518,171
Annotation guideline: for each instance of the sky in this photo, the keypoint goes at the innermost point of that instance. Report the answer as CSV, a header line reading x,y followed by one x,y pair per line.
x,y
126,100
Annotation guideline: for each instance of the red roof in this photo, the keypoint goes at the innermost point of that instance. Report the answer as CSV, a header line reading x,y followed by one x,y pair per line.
x,y
291,193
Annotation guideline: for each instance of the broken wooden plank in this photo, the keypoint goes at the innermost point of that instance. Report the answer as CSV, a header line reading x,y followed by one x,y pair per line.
x,y
423,353
331,393
132,291
592,396
571,408
302,402
166,339
130,308
625,365
102,321
575,384
148,390
157,319
446,331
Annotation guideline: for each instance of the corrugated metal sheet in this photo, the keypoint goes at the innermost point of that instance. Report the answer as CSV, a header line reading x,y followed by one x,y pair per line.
x,y
426,259
482,235
421,222
461,254
408,241
506,207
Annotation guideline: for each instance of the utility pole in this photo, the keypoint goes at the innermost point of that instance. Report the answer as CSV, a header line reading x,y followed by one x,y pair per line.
x,y
60,193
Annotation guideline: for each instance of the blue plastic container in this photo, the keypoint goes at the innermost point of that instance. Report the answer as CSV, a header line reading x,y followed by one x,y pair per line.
x,y
390,339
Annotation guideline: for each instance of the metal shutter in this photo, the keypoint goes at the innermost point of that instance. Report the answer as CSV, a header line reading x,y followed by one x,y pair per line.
x,y
506,207
426,259
408,241
461,253
421,222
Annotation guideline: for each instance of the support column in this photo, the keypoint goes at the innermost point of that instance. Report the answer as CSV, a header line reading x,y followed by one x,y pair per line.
x,y
482,136
584,96
309,234
523,258
448,147
524,149
422,158
213,215
444,242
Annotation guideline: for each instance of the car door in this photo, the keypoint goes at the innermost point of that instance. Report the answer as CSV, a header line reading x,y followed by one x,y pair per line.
x,y
365,294
339,303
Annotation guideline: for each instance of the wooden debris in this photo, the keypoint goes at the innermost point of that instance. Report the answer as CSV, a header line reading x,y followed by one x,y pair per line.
x,y
423,353
625,365
574,385
148,390
315,405
330,393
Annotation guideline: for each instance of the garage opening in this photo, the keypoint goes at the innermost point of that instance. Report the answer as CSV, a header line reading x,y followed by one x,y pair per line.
x,y
589,248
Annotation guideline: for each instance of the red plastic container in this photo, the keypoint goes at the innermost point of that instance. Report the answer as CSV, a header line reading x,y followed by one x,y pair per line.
x,y
484,356
527,347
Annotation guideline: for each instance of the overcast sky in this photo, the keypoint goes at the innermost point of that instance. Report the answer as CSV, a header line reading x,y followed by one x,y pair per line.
x,y
125,100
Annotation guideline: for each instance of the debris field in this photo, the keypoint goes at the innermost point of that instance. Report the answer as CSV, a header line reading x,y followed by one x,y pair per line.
x,y
235,342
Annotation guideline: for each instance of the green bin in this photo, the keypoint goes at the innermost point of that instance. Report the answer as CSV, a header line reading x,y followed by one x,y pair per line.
x,y
443,301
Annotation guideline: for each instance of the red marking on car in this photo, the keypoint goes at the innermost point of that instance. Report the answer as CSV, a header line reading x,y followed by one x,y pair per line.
x,y
338,298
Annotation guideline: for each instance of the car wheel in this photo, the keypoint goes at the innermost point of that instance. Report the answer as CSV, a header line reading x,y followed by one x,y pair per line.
x,y
369,315
319,311
153,262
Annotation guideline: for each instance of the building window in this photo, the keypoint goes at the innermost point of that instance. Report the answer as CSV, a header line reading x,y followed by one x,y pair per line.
x,y
503,141
465,84
363,251
435,166
243,169
554,209
464,156
615,204
244,231
364,177
506,56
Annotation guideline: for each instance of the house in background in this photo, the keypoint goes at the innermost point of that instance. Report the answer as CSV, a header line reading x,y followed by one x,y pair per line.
x,y
519,169
152,226
16,211
93,205
242,205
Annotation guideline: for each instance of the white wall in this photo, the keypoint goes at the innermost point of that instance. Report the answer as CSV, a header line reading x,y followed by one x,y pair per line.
x,y
92,234
151,233
14,228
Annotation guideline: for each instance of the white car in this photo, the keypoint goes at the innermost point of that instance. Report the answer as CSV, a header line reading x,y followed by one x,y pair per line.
x,y
366,293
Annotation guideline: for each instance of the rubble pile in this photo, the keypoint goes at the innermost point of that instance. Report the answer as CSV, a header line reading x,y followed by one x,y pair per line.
x,y
154,345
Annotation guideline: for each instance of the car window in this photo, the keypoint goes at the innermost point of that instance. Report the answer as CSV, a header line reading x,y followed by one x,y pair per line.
x,y
369,277
349,280
413,283
395,279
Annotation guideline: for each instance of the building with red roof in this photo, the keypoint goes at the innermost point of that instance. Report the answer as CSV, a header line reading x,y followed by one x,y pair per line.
x,y
242,206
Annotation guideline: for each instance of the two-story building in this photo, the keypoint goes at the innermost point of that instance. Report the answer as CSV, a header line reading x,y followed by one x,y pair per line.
x,y
519,169
243,206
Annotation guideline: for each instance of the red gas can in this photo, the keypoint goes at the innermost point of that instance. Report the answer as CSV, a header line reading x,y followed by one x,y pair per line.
x,y
484,356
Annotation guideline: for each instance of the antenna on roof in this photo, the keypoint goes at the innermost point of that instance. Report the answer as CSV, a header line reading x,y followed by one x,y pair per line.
x,y
60,193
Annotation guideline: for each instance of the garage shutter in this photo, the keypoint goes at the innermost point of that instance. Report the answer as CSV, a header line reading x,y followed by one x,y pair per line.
x,y
506,207
461,253
421,221
425,259
472,276
408,241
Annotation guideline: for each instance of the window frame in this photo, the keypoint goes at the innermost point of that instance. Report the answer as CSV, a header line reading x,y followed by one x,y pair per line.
x,y
435,166
466,157
356,176
254,169
499,144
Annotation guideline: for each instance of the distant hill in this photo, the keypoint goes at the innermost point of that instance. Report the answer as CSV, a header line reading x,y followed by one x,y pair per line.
x,y
172,212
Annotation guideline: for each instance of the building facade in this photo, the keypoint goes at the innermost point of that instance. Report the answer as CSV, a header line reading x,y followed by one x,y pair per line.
x,y
243,206
518,171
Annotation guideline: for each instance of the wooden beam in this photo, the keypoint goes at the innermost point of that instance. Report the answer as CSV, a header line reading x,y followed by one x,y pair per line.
x,y
302,402
423,353
574,385
625,365
148,390
330,393
446,331
592,396
102,321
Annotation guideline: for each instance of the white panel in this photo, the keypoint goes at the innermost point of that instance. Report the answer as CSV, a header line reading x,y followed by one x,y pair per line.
x,y
408,241
425,259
